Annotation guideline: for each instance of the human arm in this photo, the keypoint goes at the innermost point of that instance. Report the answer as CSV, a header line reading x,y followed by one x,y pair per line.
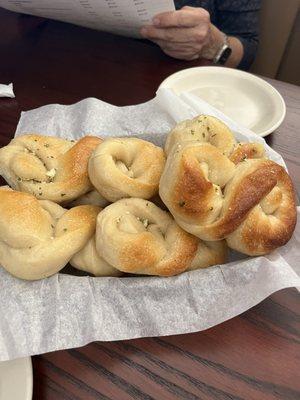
x,y
190,33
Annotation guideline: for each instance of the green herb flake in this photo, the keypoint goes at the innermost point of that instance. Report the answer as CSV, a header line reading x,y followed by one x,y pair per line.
x,y
46,145
203,134
192,132
63,194
65,229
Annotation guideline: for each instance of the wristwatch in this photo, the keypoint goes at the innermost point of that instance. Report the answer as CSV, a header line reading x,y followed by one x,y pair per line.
x,y
223,53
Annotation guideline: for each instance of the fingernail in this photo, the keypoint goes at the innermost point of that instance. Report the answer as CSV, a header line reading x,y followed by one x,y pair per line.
x,y
156,21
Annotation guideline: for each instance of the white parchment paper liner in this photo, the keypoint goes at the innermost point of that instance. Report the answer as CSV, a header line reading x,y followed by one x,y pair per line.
x,y
66,311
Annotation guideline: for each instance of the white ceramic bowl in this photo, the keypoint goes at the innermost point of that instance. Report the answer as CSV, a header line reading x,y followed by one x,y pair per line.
x,y
242,96
16,379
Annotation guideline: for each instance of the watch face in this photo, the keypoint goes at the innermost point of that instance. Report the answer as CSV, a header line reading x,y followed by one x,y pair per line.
x,y
224,57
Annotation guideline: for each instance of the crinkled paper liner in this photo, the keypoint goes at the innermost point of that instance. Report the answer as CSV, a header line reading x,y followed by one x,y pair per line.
x,y
66,311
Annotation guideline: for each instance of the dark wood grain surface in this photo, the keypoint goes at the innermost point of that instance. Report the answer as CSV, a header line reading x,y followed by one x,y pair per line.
x,y
253,356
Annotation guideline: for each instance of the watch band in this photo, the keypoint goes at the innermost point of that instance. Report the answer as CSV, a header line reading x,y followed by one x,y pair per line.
x,y
223,53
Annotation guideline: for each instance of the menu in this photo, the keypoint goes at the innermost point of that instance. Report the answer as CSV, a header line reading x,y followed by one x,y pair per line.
x,y
124,17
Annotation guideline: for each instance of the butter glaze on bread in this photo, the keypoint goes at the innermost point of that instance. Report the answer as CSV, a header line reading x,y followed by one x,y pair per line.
x,y
251,204
126,167
202,129
136,236
39,237
50,168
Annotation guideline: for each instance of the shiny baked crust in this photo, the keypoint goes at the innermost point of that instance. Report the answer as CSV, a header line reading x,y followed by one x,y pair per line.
x,y
202,129
126,167
191,186
265,190
50,168
135,236
212,198
38,237
244,151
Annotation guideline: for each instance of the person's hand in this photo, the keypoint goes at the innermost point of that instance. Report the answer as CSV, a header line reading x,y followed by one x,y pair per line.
x,y
183,34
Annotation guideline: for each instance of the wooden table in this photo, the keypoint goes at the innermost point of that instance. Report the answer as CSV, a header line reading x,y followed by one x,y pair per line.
x,y
253,356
